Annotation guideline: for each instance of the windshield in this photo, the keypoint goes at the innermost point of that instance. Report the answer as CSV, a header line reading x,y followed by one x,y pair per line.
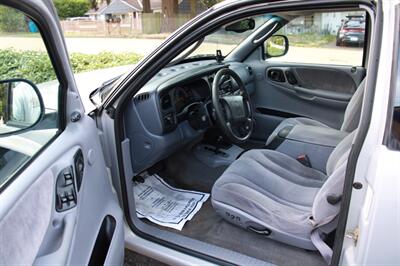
x,y
221,39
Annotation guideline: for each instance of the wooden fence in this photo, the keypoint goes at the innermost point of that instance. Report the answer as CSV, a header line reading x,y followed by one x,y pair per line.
x,y
142,24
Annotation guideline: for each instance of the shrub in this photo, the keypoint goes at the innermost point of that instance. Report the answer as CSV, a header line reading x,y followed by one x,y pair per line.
x,y
84,62
11,20
209,3
36,66
71,8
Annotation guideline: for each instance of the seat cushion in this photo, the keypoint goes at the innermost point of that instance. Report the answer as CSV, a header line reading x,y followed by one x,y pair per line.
x,y
292,122
268,189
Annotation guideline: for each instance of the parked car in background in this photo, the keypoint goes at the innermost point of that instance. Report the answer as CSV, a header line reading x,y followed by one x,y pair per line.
x,y
352,32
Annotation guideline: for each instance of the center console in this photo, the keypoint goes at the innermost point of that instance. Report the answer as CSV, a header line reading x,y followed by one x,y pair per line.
x,y
317,143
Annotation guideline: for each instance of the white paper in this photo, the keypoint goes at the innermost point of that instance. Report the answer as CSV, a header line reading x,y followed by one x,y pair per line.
x,y
162,204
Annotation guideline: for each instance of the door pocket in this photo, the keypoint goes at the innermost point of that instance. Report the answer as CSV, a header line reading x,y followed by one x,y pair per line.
x,y
103,241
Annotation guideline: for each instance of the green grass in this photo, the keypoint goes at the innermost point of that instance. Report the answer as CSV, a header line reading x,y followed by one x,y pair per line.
x,y
310,40
20,34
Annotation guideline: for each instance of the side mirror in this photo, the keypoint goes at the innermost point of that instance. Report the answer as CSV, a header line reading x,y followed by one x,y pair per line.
x,y
21,106
241,26
276,45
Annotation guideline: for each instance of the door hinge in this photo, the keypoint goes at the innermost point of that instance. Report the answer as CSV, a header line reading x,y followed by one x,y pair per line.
x,y
353,234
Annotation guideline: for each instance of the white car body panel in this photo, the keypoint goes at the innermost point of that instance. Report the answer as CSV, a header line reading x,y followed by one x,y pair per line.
x,y
374,210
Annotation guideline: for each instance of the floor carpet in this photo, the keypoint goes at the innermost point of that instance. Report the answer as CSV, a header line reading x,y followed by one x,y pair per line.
x,y
209,227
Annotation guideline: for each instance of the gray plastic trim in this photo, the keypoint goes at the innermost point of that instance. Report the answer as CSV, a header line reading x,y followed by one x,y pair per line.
x,y
201,247
247,220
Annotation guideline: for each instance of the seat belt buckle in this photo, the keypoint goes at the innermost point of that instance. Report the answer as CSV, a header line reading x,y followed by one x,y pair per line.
x,y
304,160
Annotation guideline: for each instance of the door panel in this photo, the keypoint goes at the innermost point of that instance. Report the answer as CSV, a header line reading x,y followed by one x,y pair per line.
x,y
284,90
48,236
60,209
29,216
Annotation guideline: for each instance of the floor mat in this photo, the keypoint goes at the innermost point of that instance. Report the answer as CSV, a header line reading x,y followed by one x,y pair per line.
x,y
186,171
164,205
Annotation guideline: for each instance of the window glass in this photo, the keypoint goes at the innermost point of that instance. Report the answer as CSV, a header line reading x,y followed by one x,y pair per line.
x,y
325,38
394,137
28,92
223,39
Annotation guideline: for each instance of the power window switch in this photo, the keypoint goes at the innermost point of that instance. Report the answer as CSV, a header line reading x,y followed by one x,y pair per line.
x,y
71,197
68,176
64,199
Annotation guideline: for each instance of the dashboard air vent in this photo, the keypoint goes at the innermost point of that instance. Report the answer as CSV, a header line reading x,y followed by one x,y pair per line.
x,y
250,70
141,97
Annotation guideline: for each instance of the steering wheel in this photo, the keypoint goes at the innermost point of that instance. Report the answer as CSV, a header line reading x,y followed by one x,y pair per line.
x,y
232,107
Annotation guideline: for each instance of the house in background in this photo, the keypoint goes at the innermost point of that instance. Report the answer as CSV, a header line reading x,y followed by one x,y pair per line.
x,y
129,15
95,13
121,7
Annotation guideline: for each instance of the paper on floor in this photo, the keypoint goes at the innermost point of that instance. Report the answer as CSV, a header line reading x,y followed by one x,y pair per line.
x,y
164,205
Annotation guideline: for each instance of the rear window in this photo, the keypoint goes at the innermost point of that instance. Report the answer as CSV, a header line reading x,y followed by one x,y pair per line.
x,y
355,24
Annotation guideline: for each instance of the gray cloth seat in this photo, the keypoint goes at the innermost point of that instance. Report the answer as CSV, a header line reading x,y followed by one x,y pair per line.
x,y
273,194
350,120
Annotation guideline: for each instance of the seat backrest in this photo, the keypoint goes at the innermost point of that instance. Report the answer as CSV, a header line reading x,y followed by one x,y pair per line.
x,y
353,111
322,210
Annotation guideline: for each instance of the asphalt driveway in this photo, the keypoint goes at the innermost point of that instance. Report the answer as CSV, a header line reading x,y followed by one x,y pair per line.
x,y
135,259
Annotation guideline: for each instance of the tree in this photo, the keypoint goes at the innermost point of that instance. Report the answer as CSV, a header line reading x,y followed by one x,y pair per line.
x,y
169,11
146,6
169,7
193,8
11,20
209,3
71,8
93,4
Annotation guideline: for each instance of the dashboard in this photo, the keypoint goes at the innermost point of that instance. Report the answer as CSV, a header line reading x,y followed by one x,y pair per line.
x,y
176,102
172,110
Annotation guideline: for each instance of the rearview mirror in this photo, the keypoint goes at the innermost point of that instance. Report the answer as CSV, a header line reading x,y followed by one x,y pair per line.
x,y
21,106
241,26
276,45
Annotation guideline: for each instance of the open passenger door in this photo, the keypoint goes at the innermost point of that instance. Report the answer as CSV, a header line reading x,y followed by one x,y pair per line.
x,y
59,208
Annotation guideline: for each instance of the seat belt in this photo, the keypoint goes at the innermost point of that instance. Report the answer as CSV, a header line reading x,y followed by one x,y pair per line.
x,y
316,237
323,248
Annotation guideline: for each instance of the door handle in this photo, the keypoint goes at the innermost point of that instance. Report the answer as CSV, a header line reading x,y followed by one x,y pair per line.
x,y
276,75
